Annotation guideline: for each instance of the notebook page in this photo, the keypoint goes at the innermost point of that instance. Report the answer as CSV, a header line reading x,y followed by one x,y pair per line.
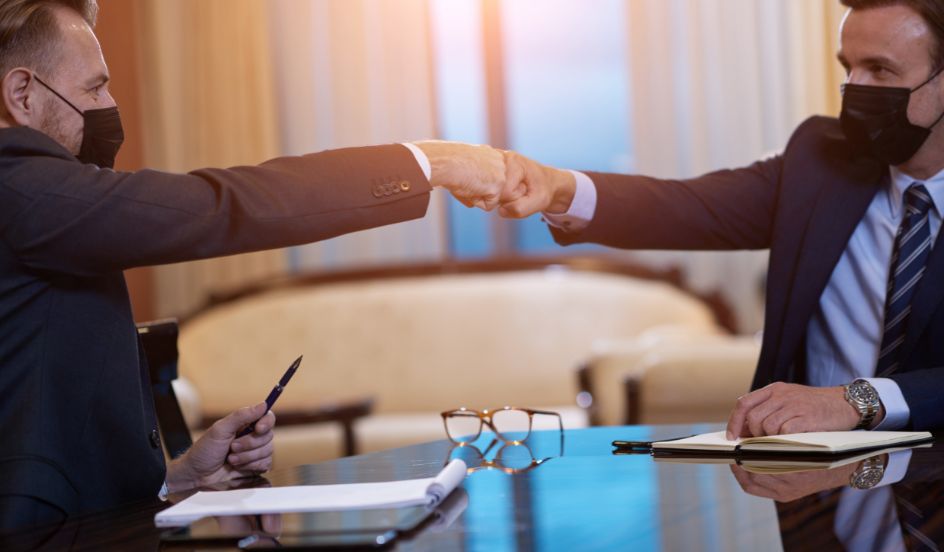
x,y
813,441
315,498
706,441
839,440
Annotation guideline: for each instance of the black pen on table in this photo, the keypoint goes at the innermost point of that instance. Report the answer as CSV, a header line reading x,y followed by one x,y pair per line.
x,y
273,395
637,447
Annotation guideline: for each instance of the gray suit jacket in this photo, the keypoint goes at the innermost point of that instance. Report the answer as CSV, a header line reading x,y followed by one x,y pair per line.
x,y
77,419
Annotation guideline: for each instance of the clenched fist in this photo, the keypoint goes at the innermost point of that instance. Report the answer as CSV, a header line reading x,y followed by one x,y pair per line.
x,y
475,175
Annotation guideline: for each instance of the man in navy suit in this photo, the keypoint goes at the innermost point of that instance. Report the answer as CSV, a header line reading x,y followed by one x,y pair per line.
x,y
851,210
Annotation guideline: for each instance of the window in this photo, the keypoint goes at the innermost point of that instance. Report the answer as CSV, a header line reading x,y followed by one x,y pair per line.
x,y
547,78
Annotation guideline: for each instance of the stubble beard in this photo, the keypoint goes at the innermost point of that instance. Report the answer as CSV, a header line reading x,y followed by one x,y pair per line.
x,y
52,124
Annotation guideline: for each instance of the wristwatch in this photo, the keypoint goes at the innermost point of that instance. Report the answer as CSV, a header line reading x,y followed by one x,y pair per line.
x,y
869,473
864,398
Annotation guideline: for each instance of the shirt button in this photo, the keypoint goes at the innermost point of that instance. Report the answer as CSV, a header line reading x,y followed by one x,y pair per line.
x,y
155,439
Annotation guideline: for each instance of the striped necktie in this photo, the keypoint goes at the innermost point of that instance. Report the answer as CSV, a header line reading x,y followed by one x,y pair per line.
x,y
909,259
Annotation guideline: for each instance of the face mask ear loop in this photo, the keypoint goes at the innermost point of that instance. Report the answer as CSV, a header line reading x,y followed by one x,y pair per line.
x,y
934,76
40,81
931,78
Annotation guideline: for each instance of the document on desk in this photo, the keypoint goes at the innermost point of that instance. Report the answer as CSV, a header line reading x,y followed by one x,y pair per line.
x,y
315,498
823,442
783,464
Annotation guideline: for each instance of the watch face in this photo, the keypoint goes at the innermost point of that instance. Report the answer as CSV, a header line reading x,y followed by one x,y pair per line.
x,y
862,392
868,478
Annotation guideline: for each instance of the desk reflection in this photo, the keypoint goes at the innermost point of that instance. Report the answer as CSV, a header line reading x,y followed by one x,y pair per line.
x,y
510,458
590,499
887,501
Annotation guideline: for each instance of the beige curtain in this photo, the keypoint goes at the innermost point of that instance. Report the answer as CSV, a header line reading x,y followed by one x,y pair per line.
x,y
209,100
356,72
240,81
720,83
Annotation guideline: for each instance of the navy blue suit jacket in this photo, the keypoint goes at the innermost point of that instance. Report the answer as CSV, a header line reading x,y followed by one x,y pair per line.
x,y
77,422
803,206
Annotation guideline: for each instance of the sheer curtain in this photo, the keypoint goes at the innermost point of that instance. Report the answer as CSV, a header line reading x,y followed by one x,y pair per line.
x,y
350,73
233,82
208,100
721,83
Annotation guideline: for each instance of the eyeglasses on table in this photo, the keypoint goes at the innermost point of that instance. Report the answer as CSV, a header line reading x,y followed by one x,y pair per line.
x,y
510,424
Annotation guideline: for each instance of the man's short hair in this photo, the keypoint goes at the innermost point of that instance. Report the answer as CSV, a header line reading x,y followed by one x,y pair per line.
x,y
931,10
29,35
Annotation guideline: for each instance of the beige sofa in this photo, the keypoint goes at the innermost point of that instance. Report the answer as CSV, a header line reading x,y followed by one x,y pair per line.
x,y
669,374
422,339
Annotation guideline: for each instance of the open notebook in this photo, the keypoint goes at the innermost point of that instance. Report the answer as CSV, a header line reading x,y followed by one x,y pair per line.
x,y
814,443
779,465
315,498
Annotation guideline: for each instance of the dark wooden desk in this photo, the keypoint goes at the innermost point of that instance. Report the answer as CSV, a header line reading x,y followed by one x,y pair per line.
x,y
588,499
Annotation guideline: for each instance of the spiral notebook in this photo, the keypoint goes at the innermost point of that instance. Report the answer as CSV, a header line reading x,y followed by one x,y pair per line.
x,y
315,498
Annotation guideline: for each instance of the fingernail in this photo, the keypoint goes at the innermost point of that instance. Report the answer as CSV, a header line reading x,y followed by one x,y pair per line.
x,y
729,435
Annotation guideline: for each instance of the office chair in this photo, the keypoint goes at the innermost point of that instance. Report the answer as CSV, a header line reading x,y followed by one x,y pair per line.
x,y
158,339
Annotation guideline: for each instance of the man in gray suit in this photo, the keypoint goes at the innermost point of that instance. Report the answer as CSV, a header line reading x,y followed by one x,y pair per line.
x,y
77,417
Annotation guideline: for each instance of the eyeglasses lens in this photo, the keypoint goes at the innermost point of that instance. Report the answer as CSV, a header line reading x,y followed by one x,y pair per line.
x,y
463,427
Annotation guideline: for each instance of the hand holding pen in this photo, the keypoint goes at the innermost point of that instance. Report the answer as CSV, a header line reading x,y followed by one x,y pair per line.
x,y
274,395
234,446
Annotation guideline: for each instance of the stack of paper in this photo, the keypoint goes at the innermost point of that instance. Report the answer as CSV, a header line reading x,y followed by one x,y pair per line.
x,y
315,498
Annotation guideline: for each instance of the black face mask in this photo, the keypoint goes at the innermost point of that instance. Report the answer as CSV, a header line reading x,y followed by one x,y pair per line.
x,y
875,121
102,133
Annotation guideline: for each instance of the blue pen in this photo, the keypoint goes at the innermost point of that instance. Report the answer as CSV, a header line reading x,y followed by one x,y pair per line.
x,y
273,395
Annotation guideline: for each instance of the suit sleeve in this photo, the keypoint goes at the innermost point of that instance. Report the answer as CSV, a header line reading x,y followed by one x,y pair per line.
x,y
922,390
61,216
730,209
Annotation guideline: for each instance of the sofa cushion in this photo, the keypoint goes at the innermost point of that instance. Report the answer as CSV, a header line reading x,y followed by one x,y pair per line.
x,y
423,343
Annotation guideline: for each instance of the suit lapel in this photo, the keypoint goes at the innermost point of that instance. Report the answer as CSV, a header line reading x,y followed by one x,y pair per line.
x,y
926,298
840,205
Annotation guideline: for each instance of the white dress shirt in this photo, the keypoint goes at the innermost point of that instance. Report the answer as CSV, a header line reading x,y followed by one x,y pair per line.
x,y
845,333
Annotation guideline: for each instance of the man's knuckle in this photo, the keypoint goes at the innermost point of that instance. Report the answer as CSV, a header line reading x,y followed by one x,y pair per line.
x,y
770,427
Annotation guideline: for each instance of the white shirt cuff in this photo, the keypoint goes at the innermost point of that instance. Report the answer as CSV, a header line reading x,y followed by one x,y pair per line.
x,y
421,159
897,467
582,208
897,412
163,492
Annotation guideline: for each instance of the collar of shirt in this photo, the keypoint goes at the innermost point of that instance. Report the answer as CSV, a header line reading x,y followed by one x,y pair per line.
x,y
901,181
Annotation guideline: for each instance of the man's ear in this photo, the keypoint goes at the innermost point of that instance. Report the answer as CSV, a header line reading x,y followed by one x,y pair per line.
x,y
17,94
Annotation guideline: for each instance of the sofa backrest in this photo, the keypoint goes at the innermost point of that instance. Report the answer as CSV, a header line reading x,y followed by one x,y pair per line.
x,y
425,342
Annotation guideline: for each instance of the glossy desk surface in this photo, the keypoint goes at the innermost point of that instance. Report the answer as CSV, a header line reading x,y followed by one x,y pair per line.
x,y
589,499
